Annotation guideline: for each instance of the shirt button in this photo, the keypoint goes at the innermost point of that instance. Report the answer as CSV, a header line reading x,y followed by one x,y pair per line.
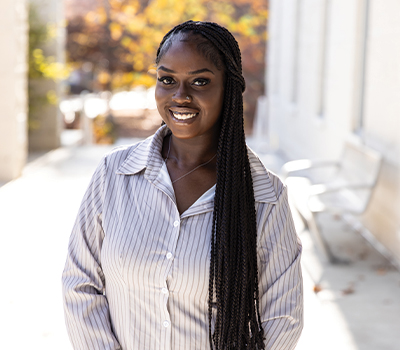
x,y
164,290
169,256
165,324
176,223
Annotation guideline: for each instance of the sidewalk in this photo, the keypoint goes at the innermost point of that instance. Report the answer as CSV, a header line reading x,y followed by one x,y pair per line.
x,y
357,306
37,213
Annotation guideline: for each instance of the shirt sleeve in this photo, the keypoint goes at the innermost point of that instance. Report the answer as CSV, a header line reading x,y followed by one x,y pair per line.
x,y
280,278
85,305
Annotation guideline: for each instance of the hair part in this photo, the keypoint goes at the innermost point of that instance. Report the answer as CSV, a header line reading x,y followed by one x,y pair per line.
x,y
233,283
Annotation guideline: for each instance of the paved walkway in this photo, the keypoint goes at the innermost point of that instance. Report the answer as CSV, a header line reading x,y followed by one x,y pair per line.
x,y
357,307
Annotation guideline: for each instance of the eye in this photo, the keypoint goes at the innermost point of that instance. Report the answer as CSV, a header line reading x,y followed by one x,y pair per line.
x,y
201,82
166,80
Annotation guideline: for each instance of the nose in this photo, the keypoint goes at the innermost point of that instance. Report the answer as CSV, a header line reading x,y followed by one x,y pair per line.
x,y
181,95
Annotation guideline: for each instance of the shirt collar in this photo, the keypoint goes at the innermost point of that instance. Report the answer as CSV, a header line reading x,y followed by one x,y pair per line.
x,y
147,155
265,184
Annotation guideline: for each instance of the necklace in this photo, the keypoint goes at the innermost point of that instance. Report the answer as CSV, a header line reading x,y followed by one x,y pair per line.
x,y
191,171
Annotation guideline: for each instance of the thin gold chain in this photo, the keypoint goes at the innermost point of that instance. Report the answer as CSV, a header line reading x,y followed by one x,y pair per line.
x,y
191,171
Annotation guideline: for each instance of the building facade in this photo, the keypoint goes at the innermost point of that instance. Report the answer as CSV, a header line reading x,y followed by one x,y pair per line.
x,y
333,73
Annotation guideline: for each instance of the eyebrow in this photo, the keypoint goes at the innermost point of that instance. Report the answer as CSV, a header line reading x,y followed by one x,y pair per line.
x,y
190,73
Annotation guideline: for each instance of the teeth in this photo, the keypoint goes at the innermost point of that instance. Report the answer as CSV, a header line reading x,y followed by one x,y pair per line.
x,y
183,116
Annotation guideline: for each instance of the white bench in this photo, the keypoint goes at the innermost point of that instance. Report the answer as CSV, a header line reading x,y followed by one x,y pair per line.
x,y
340,187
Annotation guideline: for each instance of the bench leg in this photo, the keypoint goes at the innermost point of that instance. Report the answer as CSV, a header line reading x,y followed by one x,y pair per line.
x,y
321,241
309,220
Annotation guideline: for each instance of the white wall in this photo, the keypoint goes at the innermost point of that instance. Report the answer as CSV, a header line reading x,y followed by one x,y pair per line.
x,y
382,102
315,78
13,88
319,112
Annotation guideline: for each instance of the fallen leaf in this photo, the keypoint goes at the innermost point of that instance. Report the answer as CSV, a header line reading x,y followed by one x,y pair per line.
x,y
381,271
317,288
348,290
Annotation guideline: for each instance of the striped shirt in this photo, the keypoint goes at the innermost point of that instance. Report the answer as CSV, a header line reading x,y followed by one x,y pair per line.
x,y
136,275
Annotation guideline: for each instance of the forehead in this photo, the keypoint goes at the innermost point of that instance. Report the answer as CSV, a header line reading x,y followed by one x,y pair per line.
x,y
191,48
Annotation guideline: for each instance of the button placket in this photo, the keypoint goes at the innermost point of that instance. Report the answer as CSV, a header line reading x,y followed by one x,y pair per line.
x,y
169,255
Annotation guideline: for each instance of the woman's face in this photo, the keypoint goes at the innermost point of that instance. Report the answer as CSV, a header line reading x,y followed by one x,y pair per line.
x,y
184,72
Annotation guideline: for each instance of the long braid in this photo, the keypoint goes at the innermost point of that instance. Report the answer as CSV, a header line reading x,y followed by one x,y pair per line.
x,y
233,284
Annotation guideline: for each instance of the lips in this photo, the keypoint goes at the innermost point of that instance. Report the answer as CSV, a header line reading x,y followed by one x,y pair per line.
x,y
183,114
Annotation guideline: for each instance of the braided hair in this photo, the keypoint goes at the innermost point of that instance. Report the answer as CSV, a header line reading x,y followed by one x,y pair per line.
x,y
233,284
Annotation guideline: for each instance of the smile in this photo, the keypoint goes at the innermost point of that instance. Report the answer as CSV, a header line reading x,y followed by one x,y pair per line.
x,y
183,115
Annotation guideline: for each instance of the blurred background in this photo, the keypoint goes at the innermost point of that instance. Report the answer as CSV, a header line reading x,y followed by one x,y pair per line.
x,y
77,79
90,67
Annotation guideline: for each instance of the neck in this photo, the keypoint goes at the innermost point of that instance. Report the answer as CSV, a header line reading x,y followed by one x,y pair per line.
x,y
191,151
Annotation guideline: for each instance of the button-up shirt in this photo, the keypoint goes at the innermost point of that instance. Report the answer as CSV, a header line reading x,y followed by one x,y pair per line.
x,y
137,271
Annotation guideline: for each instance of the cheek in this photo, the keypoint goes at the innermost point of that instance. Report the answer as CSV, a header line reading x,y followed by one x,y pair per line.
x,y
160,96
218,102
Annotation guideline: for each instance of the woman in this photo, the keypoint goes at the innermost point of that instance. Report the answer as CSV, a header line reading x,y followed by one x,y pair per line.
x,y
185,240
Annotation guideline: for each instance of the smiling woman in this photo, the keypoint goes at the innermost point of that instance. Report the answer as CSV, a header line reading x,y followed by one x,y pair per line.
x,y
185,240
189,90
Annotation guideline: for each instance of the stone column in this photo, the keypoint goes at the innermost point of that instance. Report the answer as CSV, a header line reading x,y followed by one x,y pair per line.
x,y
13,88
46,125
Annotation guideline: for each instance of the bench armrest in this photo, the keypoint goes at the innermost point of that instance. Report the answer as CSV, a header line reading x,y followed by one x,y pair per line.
x,y
321,188
305,164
